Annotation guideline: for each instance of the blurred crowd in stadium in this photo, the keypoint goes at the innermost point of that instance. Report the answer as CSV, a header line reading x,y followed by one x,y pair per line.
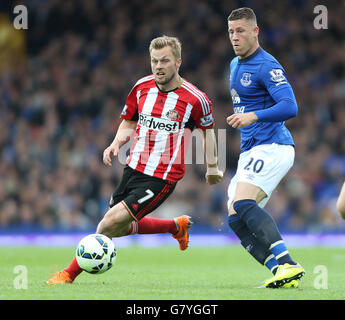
x,y
64,81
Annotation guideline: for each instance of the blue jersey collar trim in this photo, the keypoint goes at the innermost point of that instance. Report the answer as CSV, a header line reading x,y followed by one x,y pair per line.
x,y
251,56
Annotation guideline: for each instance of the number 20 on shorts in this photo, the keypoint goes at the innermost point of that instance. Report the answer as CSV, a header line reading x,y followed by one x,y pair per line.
x,y
256,166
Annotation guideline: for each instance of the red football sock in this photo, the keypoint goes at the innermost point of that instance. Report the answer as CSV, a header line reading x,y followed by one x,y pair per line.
x,y
150,225
146,225
73,269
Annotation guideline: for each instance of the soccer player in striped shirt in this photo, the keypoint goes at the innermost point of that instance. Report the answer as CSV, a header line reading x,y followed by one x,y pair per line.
x,y
263,99
160,112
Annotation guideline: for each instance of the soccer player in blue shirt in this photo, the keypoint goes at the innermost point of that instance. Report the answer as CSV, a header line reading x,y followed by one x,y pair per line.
x,y
263,99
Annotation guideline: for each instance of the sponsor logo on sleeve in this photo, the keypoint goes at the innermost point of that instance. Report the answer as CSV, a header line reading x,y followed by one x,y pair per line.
x,y
124,110
277,76
206,121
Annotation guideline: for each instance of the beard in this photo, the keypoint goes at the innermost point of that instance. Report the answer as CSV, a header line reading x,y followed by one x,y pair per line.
x,y
165,80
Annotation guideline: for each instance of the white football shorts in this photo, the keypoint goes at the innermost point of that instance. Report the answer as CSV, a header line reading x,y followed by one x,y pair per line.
x,y
263,166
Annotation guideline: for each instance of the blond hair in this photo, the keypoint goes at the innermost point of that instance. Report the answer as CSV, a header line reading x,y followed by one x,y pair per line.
x,y
164,41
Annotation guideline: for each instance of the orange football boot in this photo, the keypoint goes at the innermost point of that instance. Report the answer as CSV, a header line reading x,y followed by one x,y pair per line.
x,y
60,277
182,236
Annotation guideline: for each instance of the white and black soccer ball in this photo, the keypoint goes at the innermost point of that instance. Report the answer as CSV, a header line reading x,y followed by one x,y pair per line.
x,y
96,253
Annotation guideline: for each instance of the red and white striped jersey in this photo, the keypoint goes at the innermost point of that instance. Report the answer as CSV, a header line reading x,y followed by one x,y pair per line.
x,y
165,121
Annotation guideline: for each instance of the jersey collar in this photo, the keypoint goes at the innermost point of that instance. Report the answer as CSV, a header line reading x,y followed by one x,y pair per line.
x,y
251,56
178,86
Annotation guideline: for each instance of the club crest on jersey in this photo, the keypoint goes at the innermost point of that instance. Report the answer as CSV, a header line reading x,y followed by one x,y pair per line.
x,y
173,115
245,80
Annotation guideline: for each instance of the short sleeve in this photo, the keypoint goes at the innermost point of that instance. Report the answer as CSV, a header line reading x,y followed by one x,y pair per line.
x,y
273,77
203,112
130,110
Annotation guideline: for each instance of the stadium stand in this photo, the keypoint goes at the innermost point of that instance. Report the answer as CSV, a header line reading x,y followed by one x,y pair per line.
x,y
64,81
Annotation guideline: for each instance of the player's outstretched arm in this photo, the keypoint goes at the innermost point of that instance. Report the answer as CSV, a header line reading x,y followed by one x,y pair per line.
x,y
213,174
123,134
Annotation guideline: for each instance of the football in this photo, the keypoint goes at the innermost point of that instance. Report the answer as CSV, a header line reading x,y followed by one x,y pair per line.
x,y
96,253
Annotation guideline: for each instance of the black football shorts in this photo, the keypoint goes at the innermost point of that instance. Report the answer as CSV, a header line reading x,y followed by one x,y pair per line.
x,y
141,193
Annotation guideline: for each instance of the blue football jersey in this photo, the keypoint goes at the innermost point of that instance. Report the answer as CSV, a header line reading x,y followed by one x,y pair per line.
x,y
258,83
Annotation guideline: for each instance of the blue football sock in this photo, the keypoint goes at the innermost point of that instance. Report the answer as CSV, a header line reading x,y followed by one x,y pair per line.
x,y
271,263
255,248
262,225
281,252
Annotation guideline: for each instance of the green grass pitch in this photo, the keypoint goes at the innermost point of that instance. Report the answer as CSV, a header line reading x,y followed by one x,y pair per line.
x,y
166,273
